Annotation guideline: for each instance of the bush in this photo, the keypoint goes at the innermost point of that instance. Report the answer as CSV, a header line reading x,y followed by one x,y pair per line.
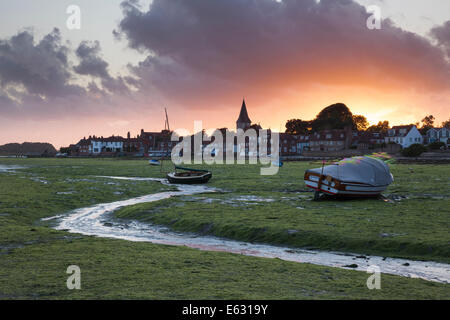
x,y
436,145
414,150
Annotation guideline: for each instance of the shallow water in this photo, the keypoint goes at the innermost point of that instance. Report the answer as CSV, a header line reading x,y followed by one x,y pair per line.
x,y
10,168
98,221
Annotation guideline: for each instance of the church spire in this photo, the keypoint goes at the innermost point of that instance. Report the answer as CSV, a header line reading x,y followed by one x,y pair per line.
x,y
243,122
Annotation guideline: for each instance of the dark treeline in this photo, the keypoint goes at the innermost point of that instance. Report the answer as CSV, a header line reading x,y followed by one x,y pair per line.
x,y
339,116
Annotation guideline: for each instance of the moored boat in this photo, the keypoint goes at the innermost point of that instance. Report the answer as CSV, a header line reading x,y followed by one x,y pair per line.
x,y
352,177
189,176
277,163
154,162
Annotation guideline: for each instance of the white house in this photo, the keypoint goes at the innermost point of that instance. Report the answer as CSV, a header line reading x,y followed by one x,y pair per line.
x,y
101,145
439,135
404,135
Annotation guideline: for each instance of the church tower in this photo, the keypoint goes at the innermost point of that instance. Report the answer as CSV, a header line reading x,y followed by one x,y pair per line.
x,y
243,122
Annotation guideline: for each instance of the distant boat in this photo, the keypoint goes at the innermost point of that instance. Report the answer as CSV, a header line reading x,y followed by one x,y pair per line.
x,y
352,177
189,176
154,163
277,163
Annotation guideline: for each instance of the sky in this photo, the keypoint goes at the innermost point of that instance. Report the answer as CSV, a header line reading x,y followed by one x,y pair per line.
x,y
130,59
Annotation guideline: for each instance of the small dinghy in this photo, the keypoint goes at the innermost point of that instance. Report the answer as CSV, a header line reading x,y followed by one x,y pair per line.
x,y
352,177
154,162
189,176
277,163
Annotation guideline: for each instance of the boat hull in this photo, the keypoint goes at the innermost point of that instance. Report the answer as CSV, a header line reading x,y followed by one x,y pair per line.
x,y
335,187
154,163
174,178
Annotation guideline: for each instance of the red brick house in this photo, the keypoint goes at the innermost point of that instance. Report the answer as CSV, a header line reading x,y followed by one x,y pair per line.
x,y
331,140
363,140
156,143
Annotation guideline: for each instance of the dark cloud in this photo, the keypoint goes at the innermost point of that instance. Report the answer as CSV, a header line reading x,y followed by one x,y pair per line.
x,y
201,53
92,64
37,78
90,61
42,68
211,48
442,35
118,86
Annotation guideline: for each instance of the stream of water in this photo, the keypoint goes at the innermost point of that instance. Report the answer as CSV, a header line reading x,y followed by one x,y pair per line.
x,y
98,221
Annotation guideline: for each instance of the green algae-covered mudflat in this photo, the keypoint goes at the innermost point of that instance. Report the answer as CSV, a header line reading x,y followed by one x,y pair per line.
x,y
411,222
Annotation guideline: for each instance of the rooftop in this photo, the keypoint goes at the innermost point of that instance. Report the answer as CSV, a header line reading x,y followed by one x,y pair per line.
x,y
243,115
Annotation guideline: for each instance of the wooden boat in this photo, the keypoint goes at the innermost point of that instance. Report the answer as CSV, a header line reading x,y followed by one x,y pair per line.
x,y
352,177
189,176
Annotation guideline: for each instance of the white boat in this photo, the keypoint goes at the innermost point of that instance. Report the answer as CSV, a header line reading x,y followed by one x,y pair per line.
x,y
154,162
352,177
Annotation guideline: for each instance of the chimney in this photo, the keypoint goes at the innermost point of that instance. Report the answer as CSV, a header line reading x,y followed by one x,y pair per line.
x,y
128,135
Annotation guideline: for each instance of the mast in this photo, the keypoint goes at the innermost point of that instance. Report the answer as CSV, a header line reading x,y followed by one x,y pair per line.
x,y
166,131
166,125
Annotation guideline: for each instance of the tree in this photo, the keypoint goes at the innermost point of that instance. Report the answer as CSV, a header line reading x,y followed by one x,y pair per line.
x,y
437,145
446,124
336,116
428,120
414,150
382,126
360,122
427,124
297,126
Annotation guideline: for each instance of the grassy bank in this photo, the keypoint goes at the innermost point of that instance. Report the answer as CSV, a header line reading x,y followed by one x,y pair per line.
x,y
34,257
412,222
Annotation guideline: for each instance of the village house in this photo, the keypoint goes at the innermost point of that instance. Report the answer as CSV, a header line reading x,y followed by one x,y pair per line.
x,y
289,144
106,146
156,144
303,143
247,149
159,144
82,148
404,136
133,146
438,135
331,140
110,146
98,146
293,145
363,140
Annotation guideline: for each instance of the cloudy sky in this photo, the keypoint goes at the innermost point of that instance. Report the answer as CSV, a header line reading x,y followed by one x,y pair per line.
x,y
199,58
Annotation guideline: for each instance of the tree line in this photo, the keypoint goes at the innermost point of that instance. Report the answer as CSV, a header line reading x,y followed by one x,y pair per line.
x,y
339,116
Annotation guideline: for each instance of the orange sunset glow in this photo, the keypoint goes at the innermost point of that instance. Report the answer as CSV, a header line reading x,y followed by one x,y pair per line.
x,y
288,59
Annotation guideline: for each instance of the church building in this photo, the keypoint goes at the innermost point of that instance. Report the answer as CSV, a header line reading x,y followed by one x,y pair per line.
x,y
243,122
